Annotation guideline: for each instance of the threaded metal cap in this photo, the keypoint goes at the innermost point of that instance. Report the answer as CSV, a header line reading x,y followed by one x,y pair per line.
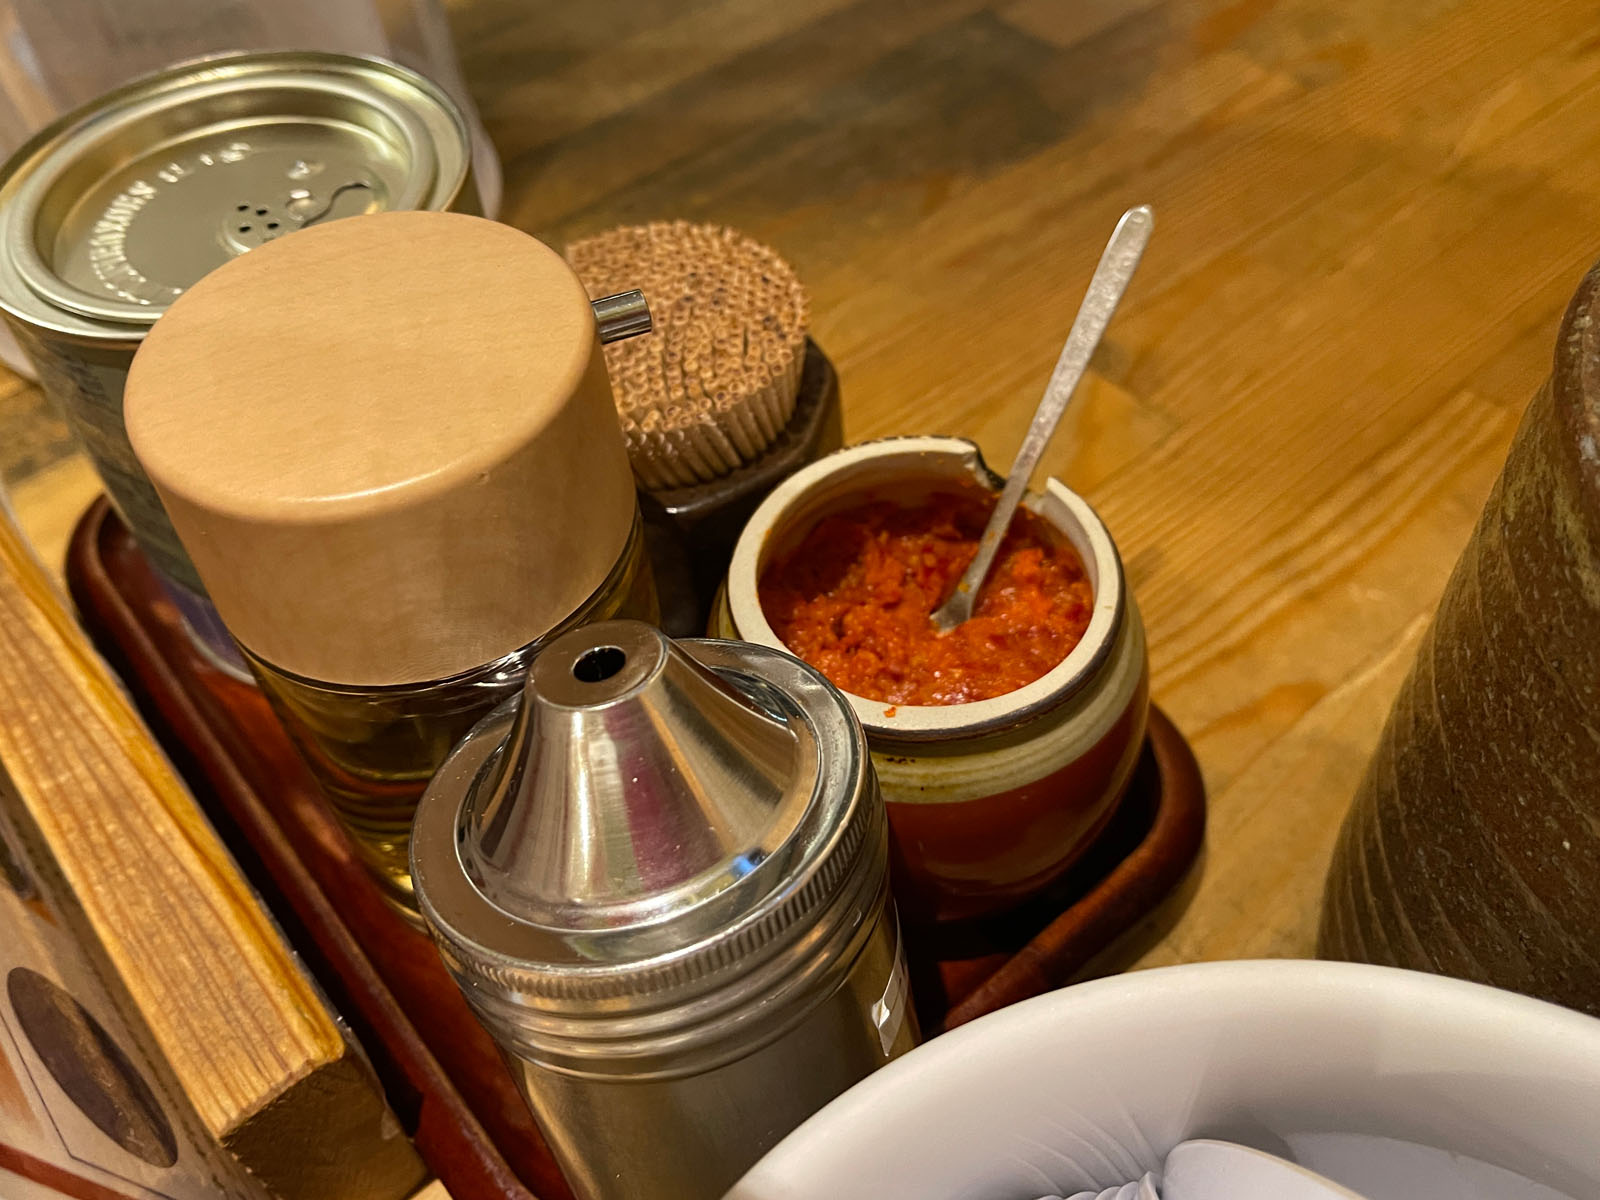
x,y
648,821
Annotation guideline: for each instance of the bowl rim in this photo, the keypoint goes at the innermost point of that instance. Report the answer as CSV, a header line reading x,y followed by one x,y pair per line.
x,y
941,722
1489,1020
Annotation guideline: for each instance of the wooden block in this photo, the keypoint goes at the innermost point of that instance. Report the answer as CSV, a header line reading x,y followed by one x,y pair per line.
x,y
47,504
195,981
88,1107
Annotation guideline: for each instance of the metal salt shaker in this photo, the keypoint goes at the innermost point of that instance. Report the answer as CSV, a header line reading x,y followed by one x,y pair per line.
x,y
115,209
660,878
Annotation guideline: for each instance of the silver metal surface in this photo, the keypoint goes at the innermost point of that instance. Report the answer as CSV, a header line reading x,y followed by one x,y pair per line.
x,y
116,208
624,315
112,210
649,875
1111,277
691,1137
639,787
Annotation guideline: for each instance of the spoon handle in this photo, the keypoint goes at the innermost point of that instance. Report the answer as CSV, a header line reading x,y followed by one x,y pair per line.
x,y
1117,264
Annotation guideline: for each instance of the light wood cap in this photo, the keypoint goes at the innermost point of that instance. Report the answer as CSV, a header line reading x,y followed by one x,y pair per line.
x,y
388,443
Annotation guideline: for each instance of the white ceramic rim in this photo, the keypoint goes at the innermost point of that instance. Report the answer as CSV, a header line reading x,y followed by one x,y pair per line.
x,y
926,722
1491,1025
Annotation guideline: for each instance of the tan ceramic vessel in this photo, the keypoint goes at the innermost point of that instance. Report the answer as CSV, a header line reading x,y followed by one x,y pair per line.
x,y
988,801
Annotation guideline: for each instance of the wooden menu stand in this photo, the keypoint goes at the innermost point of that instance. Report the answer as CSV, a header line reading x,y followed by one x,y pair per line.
x,y
105,842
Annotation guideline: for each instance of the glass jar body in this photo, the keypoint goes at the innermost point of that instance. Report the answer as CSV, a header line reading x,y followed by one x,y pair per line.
x,y
373,749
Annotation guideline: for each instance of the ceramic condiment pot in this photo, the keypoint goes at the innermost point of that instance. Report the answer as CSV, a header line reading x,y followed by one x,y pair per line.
x,y
992,800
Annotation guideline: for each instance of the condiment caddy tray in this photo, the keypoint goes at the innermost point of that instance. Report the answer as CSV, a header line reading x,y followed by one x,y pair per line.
x,y
442,1074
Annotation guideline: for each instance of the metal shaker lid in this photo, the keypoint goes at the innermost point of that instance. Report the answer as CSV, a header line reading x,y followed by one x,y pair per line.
x,y
116,208
648,819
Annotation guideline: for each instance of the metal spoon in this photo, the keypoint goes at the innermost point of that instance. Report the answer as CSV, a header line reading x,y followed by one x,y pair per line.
x,y
1110,280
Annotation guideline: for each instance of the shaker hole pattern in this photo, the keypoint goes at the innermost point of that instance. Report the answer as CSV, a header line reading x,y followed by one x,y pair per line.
x,y
599,664
249,210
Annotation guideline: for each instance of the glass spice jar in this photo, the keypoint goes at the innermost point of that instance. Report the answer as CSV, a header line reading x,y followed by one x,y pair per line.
x,y
373,750
398,475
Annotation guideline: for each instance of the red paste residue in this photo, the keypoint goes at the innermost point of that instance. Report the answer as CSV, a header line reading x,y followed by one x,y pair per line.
x,y
855,599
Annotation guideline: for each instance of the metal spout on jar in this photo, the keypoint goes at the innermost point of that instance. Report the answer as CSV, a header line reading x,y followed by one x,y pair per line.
x,y
660,878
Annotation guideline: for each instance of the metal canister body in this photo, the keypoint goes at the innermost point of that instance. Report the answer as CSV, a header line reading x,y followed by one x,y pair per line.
x,y
112,210
682,967
691,1133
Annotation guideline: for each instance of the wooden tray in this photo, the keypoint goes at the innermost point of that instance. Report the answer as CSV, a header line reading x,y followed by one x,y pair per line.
x,y
443,1075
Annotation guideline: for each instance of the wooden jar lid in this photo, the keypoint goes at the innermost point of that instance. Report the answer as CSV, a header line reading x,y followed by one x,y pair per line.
x,y
388,443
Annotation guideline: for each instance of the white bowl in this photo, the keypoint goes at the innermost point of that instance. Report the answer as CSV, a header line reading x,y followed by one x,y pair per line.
x,y
1091,1086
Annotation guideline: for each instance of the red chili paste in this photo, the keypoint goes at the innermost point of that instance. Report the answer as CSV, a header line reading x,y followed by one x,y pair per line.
x,y
855,599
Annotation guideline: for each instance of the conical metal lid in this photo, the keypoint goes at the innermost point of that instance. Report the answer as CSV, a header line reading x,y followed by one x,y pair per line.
x,y
649,818
636,783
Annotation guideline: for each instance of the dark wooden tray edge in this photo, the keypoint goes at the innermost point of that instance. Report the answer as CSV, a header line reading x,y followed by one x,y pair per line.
x,y
1133,888
447,1134
1091,921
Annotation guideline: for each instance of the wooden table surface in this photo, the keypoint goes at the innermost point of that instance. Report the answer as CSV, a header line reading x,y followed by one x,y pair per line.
x,y
1370,214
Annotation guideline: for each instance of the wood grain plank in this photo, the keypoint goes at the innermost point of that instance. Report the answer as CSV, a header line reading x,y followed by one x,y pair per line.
x,y
1214,198
232,1011
1355,569
654,161
641,63
1370,214
1262,883
1067,25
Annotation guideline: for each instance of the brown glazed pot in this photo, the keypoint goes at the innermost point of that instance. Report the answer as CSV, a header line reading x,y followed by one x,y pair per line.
x,y
1473,845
